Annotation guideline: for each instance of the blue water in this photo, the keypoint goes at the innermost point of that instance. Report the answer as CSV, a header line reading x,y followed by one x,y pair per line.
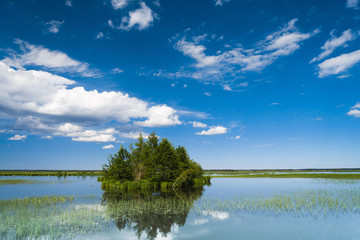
x,y
217,224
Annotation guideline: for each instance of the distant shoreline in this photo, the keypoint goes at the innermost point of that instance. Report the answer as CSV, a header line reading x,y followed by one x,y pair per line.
x,y
206,170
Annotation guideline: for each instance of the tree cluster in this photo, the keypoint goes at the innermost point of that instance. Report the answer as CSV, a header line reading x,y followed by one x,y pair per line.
x,y
153,161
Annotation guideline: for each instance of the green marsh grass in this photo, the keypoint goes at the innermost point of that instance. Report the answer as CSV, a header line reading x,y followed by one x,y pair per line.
x,y
16,181
48,217
58,173
293,175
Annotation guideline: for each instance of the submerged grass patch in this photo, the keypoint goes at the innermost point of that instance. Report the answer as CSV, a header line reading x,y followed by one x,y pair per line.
x,y
58,173
294,175
153,212
49,217
313,203
15,181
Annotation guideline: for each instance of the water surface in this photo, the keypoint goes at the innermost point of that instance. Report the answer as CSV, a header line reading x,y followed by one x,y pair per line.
x,y
231,208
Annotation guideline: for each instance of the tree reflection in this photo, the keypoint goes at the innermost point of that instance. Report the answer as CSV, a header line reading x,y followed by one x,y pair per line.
x,y
150,212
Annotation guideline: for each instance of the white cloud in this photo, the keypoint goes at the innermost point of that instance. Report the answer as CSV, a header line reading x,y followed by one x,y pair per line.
x,y
108,146
237,137
160,116
46,137
118,4
17,137
35,96
208,94
228,62
227,87
142,18
338,64
335,42
100,35
355,111
134,135
111,24
352,4
54,60
117,70
68,3
196,52
198,125
79,134
220,2
53,26
214,130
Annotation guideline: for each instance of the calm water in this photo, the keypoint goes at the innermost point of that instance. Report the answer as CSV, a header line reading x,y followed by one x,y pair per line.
x,y
231,208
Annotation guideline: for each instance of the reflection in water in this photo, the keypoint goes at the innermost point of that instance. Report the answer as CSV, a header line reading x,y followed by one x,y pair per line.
x,y
150,212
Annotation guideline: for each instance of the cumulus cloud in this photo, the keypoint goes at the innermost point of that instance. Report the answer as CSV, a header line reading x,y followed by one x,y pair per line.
x,y
231,61
198,125
160,116
118,4
47,103
335,42
108,146
338,64
141,18
355,111
80,135
352,4
33,55
134,135
214,130
53,26
17,137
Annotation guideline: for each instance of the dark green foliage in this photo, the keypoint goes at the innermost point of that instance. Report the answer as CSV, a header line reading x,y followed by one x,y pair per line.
x,y
150,162
119,167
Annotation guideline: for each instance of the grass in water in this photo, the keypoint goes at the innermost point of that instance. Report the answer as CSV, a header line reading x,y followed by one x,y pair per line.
x,y
293,175
314,203
49,217
15,181
62,217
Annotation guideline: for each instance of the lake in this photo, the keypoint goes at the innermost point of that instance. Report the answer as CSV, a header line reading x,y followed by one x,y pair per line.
x,y
231,208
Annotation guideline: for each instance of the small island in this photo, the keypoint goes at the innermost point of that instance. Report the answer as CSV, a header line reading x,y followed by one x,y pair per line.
x,y
150,164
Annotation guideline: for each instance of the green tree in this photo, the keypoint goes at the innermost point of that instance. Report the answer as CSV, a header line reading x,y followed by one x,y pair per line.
x,y
165,162
138,157
119,166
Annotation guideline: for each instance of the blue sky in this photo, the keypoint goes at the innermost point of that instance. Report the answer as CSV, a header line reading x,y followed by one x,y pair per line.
x,y
241,84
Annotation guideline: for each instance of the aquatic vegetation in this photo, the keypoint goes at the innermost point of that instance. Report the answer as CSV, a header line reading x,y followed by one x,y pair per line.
x,y
16,181
150,212
293,175
51,173
314,203
265,171
50,217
